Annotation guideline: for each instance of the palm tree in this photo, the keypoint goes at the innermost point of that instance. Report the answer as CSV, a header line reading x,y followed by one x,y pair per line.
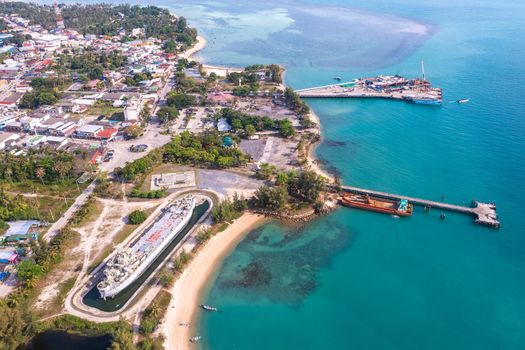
x,y
40,173
62,168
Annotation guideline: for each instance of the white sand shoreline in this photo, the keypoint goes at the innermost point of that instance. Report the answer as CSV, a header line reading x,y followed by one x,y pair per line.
x,y
197,278
199,46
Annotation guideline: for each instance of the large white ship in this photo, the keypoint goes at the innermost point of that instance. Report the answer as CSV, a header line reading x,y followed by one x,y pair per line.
x,y
129,263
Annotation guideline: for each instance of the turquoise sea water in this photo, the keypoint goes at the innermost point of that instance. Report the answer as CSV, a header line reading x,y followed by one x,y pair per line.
x,y
367,281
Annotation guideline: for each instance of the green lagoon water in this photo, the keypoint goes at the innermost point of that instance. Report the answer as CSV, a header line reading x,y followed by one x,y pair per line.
x,y
359,280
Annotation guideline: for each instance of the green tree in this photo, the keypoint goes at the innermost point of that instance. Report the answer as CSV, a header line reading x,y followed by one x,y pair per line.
x,y
167,114
286,128
137,217
180,100
306,185
28,272
249,130
274,198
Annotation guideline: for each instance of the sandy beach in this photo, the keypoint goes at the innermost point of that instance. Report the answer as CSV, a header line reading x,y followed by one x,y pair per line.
x,y
195,280
312,162
201,44
220,70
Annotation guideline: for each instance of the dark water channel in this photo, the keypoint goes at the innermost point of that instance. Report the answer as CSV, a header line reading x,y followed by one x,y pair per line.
x,y
93,299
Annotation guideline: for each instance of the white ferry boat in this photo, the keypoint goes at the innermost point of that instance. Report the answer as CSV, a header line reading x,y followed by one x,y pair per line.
x,y
129,263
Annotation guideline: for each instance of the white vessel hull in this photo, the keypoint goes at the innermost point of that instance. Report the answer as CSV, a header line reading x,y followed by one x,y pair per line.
x,y
117,288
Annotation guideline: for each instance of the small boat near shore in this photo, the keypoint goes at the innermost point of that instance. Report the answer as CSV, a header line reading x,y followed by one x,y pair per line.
x,y
209,308
196,339
380,205
463,100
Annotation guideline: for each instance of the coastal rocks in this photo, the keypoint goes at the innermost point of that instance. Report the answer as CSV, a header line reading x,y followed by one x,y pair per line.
x,y
253,275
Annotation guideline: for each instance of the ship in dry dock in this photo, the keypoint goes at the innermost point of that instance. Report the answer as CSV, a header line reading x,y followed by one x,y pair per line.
x,y
380,205
129,263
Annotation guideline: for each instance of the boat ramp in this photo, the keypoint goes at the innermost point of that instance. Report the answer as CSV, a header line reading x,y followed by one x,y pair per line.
x,y
483,213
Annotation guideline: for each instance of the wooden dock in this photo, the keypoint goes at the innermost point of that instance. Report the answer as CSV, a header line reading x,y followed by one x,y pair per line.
x,y
483,213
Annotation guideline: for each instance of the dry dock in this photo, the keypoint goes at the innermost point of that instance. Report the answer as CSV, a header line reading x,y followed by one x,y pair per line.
x,y
483,213
418,91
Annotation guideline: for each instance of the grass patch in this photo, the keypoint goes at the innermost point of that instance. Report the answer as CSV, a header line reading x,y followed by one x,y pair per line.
x,y
63,290
92,208
222,227
154,313
68,188
121,235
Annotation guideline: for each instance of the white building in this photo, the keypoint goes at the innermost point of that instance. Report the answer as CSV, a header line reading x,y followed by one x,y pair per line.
x,y
133,108
6,119
6,137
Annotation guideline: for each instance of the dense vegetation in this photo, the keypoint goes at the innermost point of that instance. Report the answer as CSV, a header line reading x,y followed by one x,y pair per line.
x,y
15,207
246,124
180,100
293,101
304,186
154,313
46,167
167,114
137,217
204,149
106,19
272,73
228,210
89,64
39,97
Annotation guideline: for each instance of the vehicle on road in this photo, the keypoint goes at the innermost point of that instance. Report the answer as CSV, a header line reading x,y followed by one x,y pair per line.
x,y
138,148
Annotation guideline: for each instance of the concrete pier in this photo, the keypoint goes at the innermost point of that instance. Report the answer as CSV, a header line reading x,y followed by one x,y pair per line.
x,y
384,87
484,213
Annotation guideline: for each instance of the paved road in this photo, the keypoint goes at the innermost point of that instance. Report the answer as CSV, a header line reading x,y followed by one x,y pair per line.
x,y
62,221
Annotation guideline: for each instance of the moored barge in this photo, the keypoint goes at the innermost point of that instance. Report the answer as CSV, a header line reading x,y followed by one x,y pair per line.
x,y
380,205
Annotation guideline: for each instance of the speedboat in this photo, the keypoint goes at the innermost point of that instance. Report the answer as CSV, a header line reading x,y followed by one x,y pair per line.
x,y
208,307
463,100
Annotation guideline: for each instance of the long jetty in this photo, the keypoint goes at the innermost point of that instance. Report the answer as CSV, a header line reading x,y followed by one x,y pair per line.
x,y
484,213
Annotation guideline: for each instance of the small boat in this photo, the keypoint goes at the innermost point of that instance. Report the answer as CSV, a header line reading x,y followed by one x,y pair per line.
x,y
208,307
337,79
380,205
196,338
463,100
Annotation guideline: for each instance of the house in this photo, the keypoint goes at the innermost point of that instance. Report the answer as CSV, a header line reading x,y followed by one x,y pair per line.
x,y
23,88
93,85
96,157
63,129
8,256
56,141
7,138
89,131
72,107
13,127
221,99
12,100
34,140
6,119
29,124
107,134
